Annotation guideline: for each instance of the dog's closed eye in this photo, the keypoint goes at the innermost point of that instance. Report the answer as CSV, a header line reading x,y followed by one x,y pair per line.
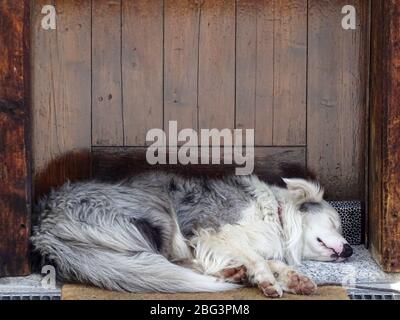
x,y
309,206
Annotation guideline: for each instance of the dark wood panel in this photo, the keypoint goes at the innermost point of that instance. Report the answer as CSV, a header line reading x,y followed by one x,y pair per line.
x,y
62,90
384,221
254,68
15,156
378,55
216,101
181,45
107,113
290,71
337,82
119,163
142,68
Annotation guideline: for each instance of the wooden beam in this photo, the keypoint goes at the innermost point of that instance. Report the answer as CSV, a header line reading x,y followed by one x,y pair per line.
x,y
15,178
384,176
118,163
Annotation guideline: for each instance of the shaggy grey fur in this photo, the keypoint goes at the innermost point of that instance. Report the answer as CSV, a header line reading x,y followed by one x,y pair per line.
x,y
120,236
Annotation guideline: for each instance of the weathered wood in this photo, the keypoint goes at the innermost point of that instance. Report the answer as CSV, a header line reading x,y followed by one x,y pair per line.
x,y
254,68
119,163
181,45
15,152
216,101
384,221
62,90
290,72
107,113
264,120
337,82
142,68
246,63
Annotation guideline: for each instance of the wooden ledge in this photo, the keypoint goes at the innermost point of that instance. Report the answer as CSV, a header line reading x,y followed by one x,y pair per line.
x,y
81,292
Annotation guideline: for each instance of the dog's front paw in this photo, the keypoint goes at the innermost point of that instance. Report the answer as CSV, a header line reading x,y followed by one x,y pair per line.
x,y
299,284
270,290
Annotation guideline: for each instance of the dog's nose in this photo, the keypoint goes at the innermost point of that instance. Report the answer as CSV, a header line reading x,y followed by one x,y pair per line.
x,y
347,251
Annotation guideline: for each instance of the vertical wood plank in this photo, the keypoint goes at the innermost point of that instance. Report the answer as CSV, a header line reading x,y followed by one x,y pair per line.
x,y
246,63
375,178
15,155
107,116
264,73
142,68
181,23
217,64
254,68
290,72
62,91
384,217
337,97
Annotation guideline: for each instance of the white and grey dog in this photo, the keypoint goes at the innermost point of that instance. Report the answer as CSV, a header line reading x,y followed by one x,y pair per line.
x,y
166,233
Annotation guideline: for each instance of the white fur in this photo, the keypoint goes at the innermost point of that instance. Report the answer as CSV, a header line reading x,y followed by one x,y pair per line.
x,y
263,235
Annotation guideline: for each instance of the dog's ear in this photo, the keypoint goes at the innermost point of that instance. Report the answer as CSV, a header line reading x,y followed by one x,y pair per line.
x,y
304,191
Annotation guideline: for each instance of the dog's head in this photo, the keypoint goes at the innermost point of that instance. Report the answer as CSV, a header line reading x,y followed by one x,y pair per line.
x,y
321,235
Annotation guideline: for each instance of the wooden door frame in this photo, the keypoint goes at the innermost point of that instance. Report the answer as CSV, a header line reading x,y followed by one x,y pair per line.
x,y
15,146
384,151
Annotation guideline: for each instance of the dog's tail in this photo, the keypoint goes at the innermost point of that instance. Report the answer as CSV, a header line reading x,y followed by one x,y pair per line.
x,y
140,272
131,271
113,252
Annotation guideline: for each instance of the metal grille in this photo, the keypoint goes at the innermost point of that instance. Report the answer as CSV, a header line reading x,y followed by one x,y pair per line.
x,y
30,296
52,296
374,296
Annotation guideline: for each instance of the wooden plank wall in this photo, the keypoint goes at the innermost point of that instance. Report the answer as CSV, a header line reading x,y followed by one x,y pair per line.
x,y
62,96
336,115
114,69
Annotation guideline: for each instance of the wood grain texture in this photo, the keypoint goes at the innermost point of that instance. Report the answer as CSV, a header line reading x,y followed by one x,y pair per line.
x,y
142,68
119,163
290,72
15,152
14,38
264,74
82,292
246,63
254,68
62,89
378,55
216,101
384,221
337,98
181,45
107,113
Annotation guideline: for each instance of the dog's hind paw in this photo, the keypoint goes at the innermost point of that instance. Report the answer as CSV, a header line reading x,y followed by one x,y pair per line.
x,y
270,290
235,275
299,284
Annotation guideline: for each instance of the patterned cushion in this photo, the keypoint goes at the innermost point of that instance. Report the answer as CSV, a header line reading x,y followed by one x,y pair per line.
x,y
352,220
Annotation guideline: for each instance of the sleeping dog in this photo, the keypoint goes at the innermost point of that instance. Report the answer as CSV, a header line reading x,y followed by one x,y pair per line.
x,y
163,232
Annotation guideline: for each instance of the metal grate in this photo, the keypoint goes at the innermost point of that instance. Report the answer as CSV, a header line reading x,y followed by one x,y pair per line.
x,y
30,296
352,296
374,296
